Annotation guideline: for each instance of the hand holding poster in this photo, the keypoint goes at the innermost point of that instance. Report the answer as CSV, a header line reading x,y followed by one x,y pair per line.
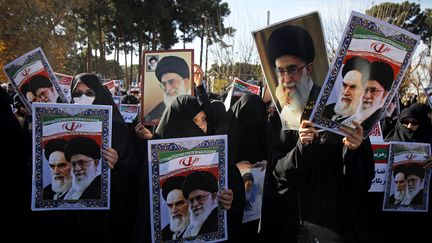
x,y
185,176
69,170
367,70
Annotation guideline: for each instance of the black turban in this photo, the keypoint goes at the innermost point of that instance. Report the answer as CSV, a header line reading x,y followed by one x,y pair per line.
x,y
82,145
383,73
199,180
356,63
248,177
290,40
54,145
172,64
39,81
153,58
175,182
398,169
415,169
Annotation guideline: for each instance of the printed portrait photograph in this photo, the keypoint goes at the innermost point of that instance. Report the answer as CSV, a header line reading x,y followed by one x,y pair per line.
x,y
171,77
294,61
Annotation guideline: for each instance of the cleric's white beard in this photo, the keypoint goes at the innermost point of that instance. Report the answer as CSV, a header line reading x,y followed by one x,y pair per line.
x,y
181,90
81,182
343,109
398,195
60,186
178,224
300,94
198,217
366,110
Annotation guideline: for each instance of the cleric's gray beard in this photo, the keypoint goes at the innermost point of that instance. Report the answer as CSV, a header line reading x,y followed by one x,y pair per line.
x,y
81,182
181,90
60,186
178,224
198,217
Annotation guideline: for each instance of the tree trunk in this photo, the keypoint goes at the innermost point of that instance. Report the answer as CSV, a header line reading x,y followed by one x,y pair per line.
x,y
89,56
131,68
126,68
101,47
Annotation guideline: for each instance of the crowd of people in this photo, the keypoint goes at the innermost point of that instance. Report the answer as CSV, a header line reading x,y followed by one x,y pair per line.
x,y
321,176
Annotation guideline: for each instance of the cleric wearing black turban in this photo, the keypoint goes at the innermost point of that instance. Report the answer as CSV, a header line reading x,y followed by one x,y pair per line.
x,y
84,155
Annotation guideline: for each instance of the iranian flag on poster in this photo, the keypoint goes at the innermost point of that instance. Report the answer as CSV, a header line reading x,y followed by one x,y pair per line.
x,y
380,152
238,89
68,126
65,82
111,86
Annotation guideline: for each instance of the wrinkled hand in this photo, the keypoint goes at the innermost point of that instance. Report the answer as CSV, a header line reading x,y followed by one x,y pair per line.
x,y
353,138
198,75
307,132
142,132
225,197
111,156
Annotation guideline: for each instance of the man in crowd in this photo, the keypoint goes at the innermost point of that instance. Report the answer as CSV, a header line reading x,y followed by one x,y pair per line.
x,y
377,87
400,181
43,89
173,74
355,74
61,176
200,188
291,52
177,207
415,174
84,155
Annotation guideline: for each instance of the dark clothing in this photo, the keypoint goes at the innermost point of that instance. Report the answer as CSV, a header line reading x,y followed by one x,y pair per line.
x,y
370,122
93,191
332,182
155,113
210,224
167,234
118,223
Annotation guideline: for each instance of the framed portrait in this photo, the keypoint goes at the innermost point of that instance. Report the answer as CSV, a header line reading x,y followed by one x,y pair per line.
x,y
294,61
172,76
65,82
185,175
369,65
69,171
407,183
34,80
428,92
129,112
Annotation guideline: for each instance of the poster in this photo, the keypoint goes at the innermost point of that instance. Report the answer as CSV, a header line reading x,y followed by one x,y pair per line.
x,y
184,176
129,112
69,171
408,180
33,79
167,75
428,92
370,63
238,88
65,82
294,61
380,152
253,179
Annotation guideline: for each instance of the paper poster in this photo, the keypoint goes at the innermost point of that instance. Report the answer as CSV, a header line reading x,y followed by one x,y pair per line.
x,y
238,89
168,75
253,179
65,82
69,171
408,181
185,174
380,151
33,79
370,63
129,112
294,61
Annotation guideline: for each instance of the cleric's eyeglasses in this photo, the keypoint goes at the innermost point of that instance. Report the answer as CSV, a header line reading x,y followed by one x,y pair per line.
x,y
81,162
170,82
373,91
292,70
198,198
88,93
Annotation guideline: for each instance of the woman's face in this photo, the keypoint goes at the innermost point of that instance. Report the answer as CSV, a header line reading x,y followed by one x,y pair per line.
x,y
200,120
83,95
